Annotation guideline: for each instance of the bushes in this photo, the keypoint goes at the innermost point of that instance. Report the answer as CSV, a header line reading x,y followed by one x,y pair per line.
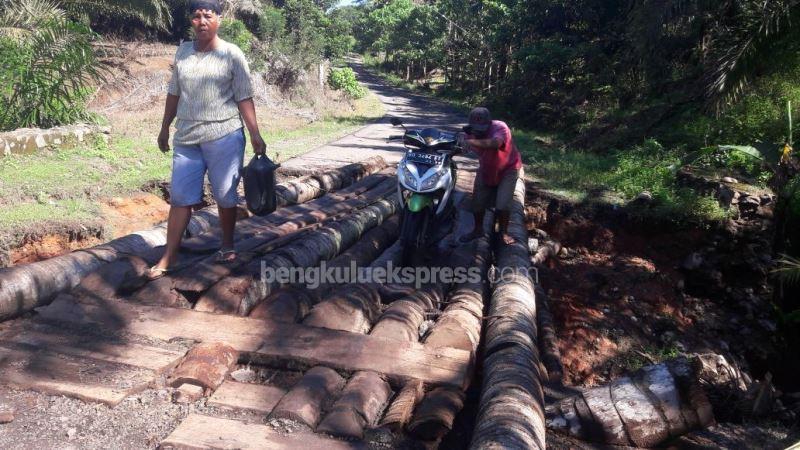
x,y
345,79
235,32
271,25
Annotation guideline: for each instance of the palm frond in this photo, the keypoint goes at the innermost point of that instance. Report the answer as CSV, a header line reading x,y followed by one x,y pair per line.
x,y
21,18
788,269
740,47
151,12
54,69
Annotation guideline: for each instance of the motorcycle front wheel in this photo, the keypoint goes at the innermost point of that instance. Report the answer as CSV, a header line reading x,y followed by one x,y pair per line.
x,y
413,229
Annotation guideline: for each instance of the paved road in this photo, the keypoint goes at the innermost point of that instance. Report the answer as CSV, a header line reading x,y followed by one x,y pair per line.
x,y
371,140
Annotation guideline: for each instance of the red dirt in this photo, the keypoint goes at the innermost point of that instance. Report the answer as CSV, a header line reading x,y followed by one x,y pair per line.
x,y
48,247
126,215
616,299
121,216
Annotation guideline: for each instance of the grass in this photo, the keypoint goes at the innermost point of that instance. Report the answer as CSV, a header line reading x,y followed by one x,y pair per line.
x,y
635,359
618,177
53,188
91,170
55,211
283,144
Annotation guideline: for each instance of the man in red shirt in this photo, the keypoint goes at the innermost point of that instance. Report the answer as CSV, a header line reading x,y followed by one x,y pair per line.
x,y
498,171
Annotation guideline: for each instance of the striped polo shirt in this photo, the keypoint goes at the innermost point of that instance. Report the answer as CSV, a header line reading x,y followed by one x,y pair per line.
x,y
210,86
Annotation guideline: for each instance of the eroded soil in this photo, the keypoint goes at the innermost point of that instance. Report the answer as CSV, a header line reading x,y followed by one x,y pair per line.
x,y
622,298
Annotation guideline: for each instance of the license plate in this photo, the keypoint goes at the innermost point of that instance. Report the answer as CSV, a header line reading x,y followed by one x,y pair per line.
x,y
425,158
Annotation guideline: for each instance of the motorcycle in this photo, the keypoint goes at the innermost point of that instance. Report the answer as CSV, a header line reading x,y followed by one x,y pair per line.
x,y
426,178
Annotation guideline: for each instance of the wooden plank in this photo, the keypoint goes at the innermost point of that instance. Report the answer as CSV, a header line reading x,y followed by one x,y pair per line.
x,y
84,378
271,342
252,397
88,346
203,432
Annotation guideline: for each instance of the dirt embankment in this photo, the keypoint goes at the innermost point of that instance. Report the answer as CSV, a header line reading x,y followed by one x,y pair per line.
x,y
626,294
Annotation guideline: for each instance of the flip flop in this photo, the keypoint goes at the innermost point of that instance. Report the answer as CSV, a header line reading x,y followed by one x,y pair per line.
x,y
155,273
224,256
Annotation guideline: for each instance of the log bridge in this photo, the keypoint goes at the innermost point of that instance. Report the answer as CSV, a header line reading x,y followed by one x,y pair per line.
x,y
368,358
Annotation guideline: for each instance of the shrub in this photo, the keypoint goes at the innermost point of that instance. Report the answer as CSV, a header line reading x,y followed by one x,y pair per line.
x,y
345,79
271,24
235,32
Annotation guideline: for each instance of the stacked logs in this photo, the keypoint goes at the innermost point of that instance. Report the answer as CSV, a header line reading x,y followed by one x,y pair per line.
x,y
652,405
310,187
291,304
281,228
511,412
224,285
353,308
459,326
247,290
25,287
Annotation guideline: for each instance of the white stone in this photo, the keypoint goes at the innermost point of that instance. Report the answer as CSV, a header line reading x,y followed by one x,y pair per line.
x,y
243,375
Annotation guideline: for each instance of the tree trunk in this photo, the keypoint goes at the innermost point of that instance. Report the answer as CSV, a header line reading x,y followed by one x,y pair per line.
x,y
511,409
645,409
205,365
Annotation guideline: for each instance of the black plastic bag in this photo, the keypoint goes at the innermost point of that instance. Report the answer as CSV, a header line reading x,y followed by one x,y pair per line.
x,y
259,185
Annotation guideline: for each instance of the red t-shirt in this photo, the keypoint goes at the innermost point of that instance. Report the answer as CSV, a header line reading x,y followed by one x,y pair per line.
x,y
494,164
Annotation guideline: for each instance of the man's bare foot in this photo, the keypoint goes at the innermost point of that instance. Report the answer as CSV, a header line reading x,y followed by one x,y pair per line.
x,y
508,239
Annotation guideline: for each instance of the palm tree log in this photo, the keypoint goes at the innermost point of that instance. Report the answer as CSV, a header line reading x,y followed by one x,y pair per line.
x,y
511,408
644,409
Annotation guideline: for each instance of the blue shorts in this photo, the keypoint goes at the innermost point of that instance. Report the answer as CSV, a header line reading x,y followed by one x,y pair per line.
x,y
222,158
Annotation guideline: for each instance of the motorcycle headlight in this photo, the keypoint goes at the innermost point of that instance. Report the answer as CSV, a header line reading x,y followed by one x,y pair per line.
x,y
430,183
408,178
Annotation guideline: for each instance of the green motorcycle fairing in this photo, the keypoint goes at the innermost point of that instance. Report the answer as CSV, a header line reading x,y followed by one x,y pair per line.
x,y
418,202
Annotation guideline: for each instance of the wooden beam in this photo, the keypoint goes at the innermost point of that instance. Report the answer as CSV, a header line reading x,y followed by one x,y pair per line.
x,y
89,346
88,379
252,397
203,432
270,342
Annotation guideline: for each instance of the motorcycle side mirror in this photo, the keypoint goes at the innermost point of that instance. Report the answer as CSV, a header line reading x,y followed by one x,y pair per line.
x,y
395,121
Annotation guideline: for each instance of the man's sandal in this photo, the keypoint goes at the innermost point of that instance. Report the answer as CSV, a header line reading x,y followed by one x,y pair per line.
x,y
226,256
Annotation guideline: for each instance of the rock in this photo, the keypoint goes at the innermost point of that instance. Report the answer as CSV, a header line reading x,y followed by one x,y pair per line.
x,y
244,375
187,393
71,433
533,245
748,204
726,196
693,261
644,197
730,180
6,413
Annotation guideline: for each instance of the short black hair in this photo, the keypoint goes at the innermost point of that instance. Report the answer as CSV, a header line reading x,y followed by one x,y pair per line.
x,y
211,5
